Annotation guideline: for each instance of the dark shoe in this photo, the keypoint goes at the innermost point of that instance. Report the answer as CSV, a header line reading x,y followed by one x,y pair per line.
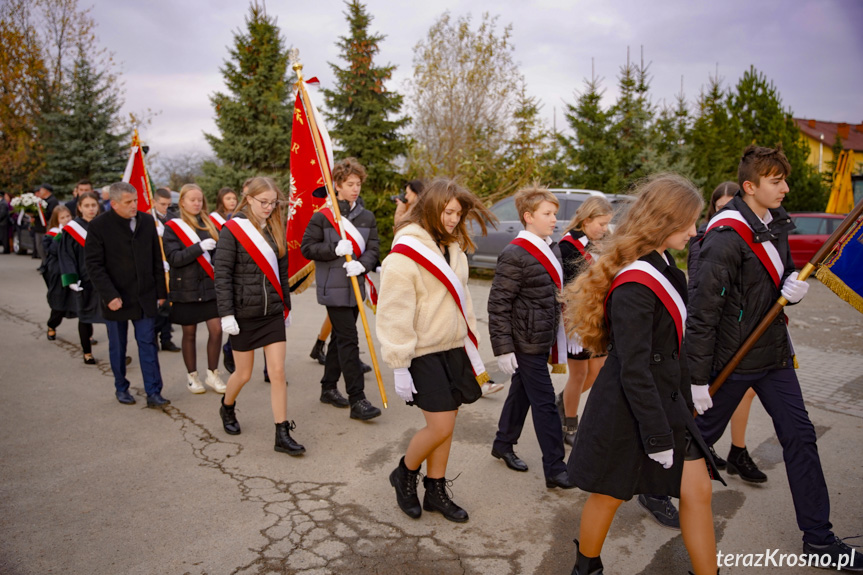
x,y
561,480
156,400
586,565
437,499
661,509
510,458
228,360
405,482
333,397
169,346
125,398
266,376
89,359
93,341
718,461
364,410
838,551
318,353
229,418
284,442
128,360
52,334
570,426
739,463
365,368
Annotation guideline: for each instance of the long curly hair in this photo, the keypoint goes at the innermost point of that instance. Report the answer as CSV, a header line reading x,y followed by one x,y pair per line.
x,y
665,204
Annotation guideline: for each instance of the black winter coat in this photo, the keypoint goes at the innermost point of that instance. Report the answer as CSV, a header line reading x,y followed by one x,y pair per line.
x,y
573,261
189,283
731,293
125,265
694,254
523,307
641,401
319,245
242,289
73,268
59,297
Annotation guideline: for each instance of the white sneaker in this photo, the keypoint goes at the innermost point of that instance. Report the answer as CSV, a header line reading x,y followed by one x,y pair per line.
x,y
194,384
489,388
214,381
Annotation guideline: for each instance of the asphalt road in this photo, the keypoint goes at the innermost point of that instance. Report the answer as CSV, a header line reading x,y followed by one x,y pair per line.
x,y
94,487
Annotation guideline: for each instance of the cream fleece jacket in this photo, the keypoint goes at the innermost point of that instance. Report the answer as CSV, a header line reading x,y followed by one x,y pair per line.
x,y
416,314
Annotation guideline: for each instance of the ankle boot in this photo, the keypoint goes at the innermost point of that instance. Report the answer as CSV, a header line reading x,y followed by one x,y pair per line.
x,y
318,352
586,565
405,482
284,442
437,499
570,425
739,463
229,419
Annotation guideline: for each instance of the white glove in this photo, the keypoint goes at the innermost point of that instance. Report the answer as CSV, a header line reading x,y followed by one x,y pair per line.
x,y
230,325
701,398
573,345
793,289
354,268
76,286
288,320
405,387
166,266
208,244
344,247
664,458
507,363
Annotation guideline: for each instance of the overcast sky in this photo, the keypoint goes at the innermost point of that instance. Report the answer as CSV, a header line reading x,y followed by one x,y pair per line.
x,y
171,52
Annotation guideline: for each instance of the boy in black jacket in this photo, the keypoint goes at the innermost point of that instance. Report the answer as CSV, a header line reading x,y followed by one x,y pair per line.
x,y
744,266
524,324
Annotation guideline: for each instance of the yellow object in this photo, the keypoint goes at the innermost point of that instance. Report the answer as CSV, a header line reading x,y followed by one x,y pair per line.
x,y
842,193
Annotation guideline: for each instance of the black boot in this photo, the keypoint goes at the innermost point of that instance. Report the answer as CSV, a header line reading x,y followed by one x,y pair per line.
x,y
586,565
739,463
718,461
570,425
405,482
318,352
284,442
437,499
229,419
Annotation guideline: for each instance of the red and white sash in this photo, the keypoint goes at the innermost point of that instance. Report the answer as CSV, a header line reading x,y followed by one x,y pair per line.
x,y
537,247
359,244
254,243
76,231
580,244
41,213
765,251
647,275
435,264
217,220
189,238
52,233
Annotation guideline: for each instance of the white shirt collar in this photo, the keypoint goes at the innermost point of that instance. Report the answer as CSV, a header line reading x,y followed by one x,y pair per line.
x,y
768,217
547,240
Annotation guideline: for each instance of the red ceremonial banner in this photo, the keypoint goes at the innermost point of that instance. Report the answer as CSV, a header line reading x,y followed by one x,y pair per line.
x,y
306,177
136,174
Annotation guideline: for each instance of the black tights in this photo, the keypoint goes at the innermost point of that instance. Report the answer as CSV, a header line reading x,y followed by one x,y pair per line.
x,y
214,345
85,330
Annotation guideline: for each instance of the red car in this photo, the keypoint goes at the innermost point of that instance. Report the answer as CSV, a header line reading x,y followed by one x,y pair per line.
x,y
812,231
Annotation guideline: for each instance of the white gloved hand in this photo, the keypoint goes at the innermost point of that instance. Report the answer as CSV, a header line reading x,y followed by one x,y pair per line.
x,y
405,387
354,268
76,286
166,266
289,320
507,363
573,346
344,247
230,325
701,398
793,289
208,244
664,458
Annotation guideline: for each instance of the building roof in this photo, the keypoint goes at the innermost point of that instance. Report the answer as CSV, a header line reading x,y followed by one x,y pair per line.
x,y
851,134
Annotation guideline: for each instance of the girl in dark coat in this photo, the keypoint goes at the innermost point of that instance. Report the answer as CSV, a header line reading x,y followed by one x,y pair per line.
x,y
189,243
587,227
637,433
74,270
251,268
60,300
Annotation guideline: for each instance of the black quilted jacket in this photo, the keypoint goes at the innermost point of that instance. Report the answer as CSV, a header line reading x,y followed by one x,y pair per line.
x,y
189,282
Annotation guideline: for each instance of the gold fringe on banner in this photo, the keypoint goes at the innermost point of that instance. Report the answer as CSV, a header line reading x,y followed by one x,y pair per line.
x,y
309,272
832,281
558,367
483,378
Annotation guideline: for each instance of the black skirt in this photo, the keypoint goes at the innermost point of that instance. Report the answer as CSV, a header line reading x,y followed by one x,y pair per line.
x,y
258,332
193,313
444,381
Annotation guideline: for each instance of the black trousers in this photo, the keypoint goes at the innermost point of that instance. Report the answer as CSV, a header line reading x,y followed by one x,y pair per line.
x,y
779,392
343,353
531,389
163,328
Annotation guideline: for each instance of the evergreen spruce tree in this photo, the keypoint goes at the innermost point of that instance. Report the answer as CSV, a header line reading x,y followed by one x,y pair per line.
x,y
632,116
254,117
715,147
669,148
87,141
362,112
830,167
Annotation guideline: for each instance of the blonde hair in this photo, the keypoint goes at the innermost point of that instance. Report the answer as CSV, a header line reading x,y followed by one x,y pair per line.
x,y
528,199
665,204
193,220
55,215
593,207
275,223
